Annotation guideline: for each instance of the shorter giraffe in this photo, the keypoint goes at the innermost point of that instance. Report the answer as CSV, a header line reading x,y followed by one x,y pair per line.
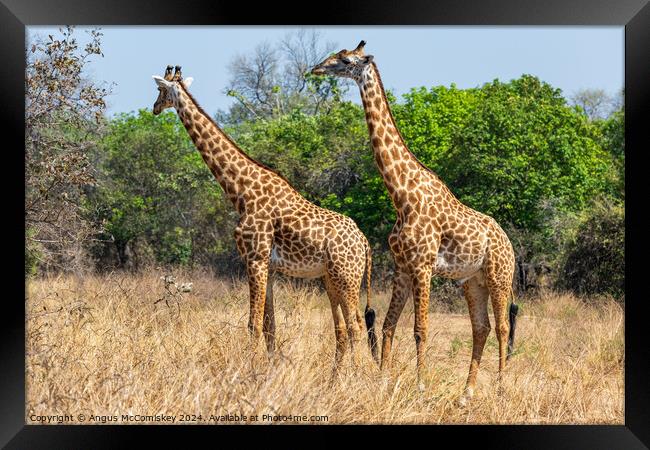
x,y
279,230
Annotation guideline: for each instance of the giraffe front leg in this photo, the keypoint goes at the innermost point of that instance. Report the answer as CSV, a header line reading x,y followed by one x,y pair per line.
x,y
401,292
257,280
254,245
421,278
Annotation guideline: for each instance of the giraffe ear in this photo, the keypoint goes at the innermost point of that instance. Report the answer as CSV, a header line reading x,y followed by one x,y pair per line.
x,y
160,81
368,59
187,82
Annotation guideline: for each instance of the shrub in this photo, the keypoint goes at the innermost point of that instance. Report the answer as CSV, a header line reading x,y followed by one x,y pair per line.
x,y
594,261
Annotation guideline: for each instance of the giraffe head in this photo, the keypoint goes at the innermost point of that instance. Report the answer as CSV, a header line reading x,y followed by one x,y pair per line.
x,y
169,88
346,63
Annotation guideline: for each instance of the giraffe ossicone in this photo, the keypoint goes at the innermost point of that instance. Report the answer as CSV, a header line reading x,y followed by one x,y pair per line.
x,y
434,234
278,230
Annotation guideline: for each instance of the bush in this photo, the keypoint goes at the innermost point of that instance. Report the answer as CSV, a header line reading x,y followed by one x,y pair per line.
x,y
594,261
157,200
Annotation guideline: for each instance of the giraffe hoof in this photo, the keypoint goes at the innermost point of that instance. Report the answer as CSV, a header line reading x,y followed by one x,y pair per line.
x,y
464,399
421,387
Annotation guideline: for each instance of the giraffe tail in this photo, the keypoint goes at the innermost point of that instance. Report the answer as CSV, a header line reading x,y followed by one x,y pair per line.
x,y
370,313
512,315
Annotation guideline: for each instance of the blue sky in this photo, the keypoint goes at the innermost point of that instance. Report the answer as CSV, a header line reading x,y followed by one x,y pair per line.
x,y
569,58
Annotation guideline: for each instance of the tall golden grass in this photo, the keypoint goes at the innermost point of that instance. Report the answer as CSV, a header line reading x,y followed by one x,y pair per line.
x,y
100,346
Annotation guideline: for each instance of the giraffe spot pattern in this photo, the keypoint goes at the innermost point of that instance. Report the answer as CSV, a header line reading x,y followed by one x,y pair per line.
x,y
434,232
278,229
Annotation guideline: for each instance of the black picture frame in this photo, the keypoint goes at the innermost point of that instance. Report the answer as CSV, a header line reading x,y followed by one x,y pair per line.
x,y
15,15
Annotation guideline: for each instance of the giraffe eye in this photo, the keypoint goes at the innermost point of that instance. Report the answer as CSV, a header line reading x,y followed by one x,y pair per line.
x,y
346,61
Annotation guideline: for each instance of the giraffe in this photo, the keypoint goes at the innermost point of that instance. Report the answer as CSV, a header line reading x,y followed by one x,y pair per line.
x,y
278,229
434,234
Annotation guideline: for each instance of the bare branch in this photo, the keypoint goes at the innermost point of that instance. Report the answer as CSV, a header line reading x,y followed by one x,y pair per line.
x,y
63,119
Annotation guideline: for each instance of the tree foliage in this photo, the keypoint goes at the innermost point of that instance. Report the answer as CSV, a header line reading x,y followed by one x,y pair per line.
x,y
613,141
157,200
520,146
516,150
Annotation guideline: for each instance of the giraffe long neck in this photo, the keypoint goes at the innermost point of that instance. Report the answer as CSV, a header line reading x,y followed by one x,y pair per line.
x,y
227,162
395,161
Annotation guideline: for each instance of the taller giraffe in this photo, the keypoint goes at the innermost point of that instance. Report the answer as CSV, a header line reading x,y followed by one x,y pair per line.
x,y
435,234
279,230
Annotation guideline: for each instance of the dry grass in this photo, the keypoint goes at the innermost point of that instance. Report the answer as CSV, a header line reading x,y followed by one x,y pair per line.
x,y
100,346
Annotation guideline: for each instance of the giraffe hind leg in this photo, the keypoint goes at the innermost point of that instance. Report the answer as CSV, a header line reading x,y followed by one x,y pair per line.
x,y
268,327
399,296
339,327
476,294
348,308
345,283
499,297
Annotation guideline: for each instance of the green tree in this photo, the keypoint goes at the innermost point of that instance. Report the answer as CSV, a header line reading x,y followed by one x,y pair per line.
x,y
513,150
613,141
318,154
157,196
430,120
523,145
